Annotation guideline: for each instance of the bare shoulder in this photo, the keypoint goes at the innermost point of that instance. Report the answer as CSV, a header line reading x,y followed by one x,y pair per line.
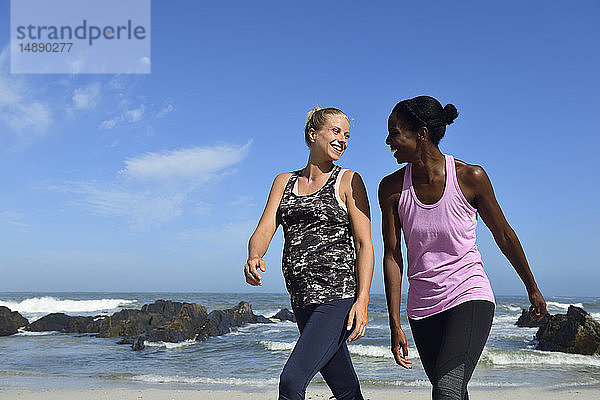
x,y
470,175
351,182
391,184
349,176
281,180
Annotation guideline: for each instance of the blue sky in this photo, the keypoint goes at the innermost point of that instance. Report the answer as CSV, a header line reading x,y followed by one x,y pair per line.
x,y
155,182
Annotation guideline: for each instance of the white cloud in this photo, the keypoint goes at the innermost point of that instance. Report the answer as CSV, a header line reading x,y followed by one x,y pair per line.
x,y
86,98
24,117
158,186
76,64
108,124
197,163
136,114
144,209
168,109
131,116
13,220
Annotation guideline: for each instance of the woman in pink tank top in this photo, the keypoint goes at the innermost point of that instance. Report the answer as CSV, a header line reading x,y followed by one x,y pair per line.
x,y
434,200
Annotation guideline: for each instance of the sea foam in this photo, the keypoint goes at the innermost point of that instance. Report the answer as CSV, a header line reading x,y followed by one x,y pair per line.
x,y
206,380
170,345
22,332
553,305
47,304
355,349
535,358
510,307
277,346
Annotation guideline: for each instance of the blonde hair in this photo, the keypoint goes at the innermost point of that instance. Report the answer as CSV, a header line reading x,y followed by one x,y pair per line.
x,y
315,119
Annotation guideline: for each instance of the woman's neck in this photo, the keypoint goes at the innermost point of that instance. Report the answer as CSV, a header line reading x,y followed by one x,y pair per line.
x,y
429,164
316,168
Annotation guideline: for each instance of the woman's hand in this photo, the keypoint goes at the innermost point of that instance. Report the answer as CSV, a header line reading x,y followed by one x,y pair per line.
x,y
357,317
400,348
537,310
251,271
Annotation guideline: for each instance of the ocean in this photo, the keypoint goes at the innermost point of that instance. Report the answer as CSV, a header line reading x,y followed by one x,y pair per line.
x,y
251,357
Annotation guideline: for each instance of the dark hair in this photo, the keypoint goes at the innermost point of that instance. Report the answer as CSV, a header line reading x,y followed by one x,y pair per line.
x,y
426,111
315,119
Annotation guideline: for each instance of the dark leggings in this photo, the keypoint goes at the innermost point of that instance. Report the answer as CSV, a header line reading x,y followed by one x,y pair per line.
x,y
450,344
321,347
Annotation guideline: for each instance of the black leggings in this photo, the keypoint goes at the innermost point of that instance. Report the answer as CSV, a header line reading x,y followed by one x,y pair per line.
x,y
450,344
321,347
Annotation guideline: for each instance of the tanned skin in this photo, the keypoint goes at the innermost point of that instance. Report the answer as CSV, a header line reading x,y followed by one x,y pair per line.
x,y
429,177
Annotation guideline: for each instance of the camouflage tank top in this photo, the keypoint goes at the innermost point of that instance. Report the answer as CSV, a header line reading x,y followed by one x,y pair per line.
x,y
318,254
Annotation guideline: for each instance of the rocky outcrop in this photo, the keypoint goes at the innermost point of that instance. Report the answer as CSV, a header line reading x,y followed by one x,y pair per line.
x,y
62,323
184,325
10,321
161,321
126,323
220,322
525,320
166,308
575,332
129,323
285,315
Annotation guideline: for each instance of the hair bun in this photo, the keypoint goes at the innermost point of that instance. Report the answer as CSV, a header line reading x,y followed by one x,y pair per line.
x,y
450,113
311,113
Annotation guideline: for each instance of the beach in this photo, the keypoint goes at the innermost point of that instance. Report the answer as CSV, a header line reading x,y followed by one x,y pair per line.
x,y
582,393
246,362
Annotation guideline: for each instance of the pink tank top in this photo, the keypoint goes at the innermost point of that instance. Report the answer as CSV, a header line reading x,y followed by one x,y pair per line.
x,y
444,265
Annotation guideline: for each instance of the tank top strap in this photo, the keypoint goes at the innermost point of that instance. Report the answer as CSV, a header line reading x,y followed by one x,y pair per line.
x,y
451,180
289,187
333,177
407,181
328,188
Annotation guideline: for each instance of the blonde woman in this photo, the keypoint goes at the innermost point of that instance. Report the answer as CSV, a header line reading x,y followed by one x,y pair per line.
x,y
324,210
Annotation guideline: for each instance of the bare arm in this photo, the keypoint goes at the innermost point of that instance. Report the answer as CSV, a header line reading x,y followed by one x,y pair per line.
x,y
389,194
267,225
504,235
357,203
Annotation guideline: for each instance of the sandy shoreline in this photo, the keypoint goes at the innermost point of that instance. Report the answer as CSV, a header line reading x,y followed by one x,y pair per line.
x,y
312,394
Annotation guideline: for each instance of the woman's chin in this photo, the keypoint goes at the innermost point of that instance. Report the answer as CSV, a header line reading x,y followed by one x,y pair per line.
x,y
335,156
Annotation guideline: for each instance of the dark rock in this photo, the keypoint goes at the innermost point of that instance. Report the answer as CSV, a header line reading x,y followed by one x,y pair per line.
x,y
261,320
10,321
184,326
181,322
525,320
220,322
163,320
167,308
129,323
139,343
285,315
61,323
575,332
135,322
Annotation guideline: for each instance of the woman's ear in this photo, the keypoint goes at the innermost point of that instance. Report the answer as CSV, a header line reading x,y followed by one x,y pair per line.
x,y
423,133
312,135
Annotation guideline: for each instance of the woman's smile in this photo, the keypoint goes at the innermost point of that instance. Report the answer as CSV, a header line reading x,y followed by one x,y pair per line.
x,y
337,147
